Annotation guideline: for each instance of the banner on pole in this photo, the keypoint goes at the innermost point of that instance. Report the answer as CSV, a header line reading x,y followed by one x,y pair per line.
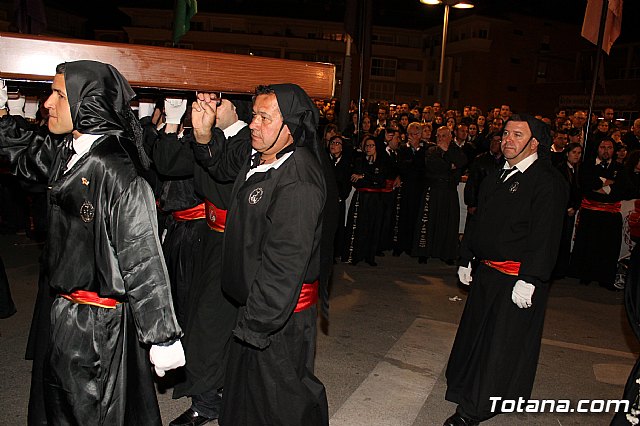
x,y
591,23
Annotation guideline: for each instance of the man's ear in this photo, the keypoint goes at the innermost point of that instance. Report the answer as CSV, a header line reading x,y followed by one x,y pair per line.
x,y
534,144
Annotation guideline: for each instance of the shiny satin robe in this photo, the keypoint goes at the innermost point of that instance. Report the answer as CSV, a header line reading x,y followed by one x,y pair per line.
x,y
102,238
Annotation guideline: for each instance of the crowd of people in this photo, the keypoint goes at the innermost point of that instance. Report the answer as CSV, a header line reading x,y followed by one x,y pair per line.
x,y
170,231
405,163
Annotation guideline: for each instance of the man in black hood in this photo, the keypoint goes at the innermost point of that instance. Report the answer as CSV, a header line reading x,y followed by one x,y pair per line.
x,y
513,238
276,257
102,256
201,169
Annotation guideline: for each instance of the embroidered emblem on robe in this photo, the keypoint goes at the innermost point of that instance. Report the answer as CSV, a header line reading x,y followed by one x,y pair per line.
x,y
87,211
255,195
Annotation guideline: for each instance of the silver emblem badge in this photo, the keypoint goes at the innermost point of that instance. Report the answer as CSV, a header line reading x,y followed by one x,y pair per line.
x,y
255,195
514,187
87,212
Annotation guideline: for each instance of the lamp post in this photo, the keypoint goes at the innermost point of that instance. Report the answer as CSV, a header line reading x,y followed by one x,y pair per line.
x,y
458,4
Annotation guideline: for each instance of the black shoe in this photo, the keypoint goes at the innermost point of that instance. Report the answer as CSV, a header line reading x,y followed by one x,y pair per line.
x,y
584,282
423,260
380,253
450,262
458,420
190,418
396,252
371,262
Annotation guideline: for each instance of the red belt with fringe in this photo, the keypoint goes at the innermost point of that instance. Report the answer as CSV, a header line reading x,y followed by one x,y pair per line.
x,y
600,206
508,267
84,297
216,218
308,296
193,213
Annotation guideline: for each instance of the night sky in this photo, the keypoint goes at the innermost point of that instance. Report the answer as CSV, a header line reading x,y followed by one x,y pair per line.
x,y
405,13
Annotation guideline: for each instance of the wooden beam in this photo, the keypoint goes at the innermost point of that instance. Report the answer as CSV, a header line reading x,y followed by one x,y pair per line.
x,y
34,58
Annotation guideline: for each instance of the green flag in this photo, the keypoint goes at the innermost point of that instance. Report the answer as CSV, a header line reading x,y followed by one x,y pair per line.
x,y
184,11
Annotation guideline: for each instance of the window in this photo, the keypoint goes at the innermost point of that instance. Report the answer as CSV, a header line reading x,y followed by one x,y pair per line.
x,y
545,44
383,67
541,72
483,34
199,26
409,64
381,90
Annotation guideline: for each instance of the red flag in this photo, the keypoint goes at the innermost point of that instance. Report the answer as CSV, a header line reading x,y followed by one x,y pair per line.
x,y
591,23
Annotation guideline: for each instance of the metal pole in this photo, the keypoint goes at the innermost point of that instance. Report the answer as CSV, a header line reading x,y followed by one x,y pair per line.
x,y
345,94
444,41
603,21
445,25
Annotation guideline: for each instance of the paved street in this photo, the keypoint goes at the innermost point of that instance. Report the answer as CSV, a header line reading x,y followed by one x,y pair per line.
x,y
385,350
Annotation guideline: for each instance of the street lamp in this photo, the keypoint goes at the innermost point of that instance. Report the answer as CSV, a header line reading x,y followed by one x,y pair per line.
x,y
458,4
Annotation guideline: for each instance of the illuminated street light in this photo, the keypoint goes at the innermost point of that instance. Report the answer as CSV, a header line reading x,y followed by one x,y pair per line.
x,y
458,4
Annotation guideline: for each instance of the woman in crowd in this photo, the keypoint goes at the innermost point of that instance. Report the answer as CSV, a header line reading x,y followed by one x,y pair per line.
x,y
621,153
370,173
570,169
342,173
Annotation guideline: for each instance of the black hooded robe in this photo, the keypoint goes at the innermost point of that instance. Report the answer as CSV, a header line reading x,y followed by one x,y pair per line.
x,y
276,240
275,247
209,314
102,238
497,344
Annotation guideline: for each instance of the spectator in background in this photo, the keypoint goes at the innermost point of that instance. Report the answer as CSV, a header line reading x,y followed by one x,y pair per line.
x,y
436,230
484,165
598,234
632,138
560,140
570,170
364,224
342,172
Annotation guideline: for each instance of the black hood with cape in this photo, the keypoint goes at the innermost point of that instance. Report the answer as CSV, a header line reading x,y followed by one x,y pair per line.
x,y
301,115
99,98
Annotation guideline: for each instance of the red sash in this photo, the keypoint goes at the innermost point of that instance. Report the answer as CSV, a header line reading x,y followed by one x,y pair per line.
x,y
508,267
372,190
216,218
308,296
388,185
600,206
84,297
193,213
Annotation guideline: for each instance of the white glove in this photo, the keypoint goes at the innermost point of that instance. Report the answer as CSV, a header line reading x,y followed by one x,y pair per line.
x,y
167,357
16,106
4,95
174,109
464,274
31,108
521,294
145,109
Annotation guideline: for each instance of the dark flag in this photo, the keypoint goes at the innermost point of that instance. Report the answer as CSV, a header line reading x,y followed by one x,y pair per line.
x,y
184,11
